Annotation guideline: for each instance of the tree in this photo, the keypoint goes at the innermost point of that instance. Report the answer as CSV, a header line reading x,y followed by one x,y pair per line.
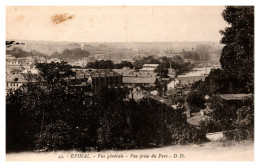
x,y
203,52
124,64
53,72
196,101
17,52
237,57
102,64
138,64
69,55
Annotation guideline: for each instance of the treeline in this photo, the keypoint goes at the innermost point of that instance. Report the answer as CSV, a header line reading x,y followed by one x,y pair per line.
x,y
43,116
179,66
19,53
201,53
70,55
165,63
108,64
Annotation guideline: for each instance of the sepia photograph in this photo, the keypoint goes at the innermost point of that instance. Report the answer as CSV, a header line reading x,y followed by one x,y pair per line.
x,y
129,83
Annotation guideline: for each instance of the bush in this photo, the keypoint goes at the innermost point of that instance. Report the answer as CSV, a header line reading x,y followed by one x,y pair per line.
x,y
239,134
56,136
210,126
188,134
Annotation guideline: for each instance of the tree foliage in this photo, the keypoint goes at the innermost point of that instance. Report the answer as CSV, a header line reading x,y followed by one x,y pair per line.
x,y
196,101
70,55
20,53
237,57
56,120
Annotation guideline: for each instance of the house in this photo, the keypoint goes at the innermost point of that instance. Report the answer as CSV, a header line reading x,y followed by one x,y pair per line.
x,y
15,81
12,64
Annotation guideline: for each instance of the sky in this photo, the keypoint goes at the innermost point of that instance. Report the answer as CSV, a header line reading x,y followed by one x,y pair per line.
x,y
115,24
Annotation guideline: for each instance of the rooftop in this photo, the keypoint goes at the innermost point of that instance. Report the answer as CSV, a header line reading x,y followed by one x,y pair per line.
x,y
139,80
147,69
85,73
132,73
189,79
151,65
21,78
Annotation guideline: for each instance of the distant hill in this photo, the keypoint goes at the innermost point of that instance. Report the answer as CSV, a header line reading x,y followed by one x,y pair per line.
x,y
72,51
19,53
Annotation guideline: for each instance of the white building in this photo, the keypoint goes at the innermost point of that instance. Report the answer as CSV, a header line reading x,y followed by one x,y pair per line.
x,y
149,67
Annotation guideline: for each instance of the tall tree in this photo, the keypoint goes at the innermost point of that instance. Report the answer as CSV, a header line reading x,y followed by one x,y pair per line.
x,y
237,57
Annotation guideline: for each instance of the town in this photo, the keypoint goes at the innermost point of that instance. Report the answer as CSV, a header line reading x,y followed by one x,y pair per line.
x,y
94,96
157,81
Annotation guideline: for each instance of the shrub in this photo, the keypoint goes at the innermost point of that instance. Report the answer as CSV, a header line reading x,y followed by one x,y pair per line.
x,y
55,136
239,134
210,126
187,134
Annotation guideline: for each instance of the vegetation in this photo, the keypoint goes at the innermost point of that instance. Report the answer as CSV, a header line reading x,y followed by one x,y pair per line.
x,y
237,57
108,64
70,55
19,53
49,118
138,64
196,101
236,76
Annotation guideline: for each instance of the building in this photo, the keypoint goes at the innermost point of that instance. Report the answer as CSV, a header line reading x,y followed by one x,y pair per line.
x,y
56,60
172,84
89,80
235,97
132,78
140,81
127,72
188,80
149,68
136,94
184,81
12,64
171,73
15,81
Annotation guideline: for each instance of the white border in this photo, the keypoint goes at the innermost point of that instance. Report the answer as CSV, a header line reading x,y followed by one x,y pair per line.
x,y
121,3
